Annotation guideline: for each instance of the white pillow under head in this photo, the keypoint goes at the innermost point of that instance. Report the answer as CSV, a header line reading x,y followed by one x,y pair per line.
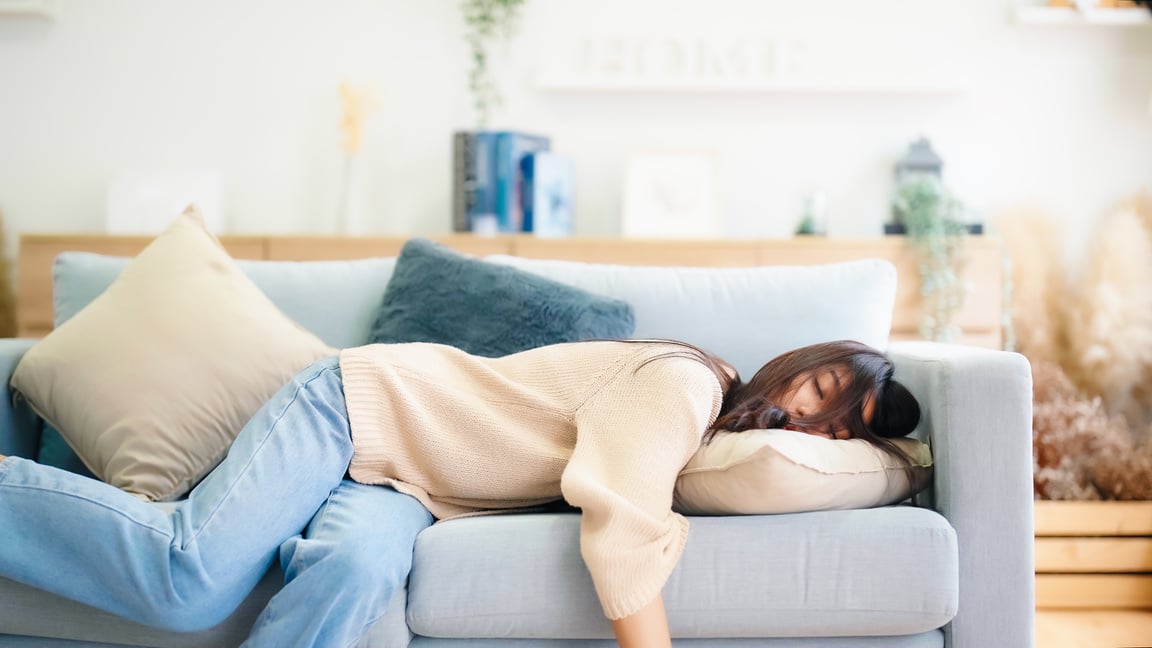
x,y
781,471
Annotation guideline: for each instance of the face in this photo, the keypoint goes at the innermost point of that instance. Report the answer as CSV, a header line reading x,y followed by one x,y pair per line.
x,y
810,392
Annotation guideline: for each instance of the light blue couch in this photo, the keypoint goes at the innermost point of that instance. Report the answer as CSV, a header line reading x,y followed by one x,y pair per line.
x,y
953,569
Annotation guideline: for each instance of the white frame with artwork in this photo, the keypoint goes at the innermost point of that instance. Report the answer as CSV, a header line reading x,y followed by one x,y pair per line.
x,y
672,194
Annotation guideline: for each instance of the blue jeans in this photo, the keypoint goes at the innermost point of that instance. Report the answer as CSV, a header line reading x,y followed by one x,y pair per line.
x,y
341,574
189,569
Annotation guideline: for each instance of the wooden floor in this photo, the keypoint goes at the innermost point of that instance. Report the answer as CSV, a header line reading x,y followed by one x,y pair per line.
x,y
1093,629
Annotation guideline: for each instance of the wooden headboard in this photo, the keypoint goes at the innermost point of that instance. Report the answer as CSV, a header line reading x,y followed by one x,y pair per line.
x,y
980,319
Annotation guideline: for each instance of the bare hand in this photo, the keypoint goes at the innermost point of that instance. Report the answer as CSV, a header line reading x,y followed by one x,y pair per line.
x,y
647,628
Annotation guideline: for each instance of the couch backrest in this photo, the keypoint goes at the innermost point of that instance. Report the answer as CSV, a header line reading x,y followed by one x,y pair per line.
x,y
746,315
336,300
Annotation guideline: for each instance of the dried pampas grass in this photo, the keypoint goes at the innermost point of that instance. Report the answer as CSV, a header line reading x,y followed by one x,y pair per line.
x,y
1080,452
1068,432
1039,283
1124,472
1110,322
1090,345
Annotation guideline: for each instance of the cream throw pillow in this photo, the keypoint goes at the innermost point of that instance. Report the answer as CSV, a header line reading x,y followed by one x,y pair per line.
x,y
781,471
151,382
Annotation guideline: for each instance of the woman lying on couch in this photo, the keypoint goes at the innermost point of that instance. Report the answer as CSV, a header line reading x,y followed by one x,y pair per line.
x,y
427,431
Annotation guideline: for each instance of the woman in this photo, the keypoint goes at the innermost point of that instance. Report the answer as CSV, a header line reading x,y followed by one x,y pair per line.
x,y
606,425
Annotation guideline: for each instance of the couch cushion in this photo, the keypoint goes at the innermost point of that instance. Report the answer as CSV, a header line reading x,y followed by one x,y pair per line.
x,y
439,295
152,380
29,611
745,315
782,471
335,300
54,451
885,571
934,639
35,613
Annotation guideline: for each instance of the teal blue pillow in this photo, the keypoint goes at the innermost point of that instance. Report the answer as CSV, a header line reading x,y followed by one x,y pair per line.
x,y
55,451
439,295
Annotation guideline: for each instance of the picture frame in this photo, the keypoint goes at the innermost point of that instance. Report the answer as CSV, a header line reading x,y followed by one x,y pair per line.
x,y
672,194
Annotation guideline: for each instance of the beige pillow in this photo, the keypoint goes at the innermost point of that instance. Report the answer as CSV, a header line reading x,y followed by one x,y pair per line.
x,y
151,381
781,471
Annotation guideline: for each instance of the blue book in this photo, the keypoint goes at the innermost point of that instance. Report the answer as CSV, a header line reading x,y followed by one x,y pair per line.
x,y
484,209
510,149
548,191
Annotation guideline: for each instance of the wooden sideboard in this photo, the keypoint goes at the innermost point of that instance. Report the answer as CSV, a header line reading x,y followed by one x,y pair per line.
x,y
980,319
1093,555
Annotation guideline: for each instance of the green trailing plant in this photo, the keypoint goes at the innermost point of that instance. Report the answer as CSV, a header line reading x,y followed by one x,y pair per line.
x,y
485,21
932,218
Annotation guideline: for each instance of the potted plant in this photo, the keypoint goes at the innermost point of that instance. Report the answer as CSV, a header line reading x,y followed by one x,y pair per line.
x,y
485,21
932,220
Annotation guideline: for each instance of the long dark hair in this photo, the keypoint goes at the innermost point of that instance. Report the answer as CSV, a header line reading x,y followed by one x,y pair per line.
x,y
755,404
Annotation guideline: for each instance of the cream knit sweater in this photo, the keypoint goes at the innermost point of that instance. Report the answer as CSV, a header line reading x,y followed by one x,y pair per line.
x,y
588,421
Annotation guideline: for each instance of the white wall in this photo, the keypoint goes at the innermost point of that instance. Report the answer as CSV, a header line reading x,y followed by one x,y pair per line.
x,y
1054,117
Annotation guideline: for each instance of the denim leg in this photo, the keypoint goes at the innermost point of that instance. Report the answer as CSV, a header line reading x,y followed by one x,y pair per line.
x,y
187,570
341,574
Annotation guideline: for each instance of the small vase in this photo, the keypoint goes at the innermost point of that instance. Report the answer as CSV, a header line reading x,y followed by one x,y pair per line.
x,y
350,208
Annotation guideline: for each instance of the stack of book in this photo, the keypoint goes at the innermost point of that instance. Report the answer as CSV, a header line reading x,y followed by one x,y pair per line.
x,y
510,181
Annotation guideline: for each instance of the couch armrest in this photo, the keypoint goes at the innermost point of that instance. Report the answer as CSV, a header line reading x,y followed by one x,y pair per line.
x,y
978,419
19,426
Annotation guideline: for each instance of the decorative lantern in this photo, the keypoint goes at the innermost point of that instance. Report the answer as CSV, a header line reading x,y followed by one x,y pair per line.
x,y
919,160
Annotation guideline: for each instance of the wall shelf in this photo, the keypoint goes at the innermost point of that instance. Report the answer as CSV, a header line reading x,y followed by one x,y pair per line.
x,y
897,87
1041,15
689,61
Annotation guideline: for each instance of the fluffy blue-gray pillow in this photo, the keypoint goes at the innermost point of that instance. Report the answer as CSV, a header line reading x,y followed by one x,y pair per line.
x,y
439,295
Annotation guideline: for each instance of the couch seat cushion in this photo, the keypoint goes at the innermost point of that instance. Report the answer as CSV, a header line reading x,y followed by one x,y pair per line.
x,y
43,617
886,571
933,639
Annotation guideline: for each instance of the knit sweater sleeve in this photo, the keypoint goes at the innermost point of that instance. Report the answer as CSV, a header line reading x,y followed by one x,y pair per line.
x,y
633,437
